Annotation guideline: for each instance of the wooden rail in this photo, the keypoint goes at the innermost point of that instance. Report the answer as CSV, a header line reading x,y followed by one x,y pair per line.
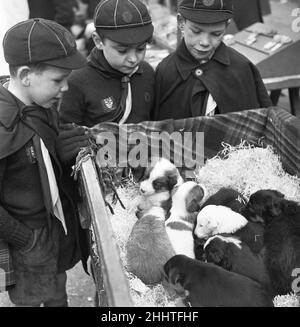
x,y
111,282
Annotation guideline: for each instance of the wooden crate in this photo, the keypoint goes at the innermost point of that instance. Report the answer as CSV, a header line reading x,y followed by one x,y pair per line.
x,y
275,126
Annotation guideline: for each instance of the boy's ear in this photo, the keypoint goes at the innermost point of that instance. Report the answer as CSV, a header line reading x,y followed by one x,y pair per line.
x,y
97,40
23,75
180,21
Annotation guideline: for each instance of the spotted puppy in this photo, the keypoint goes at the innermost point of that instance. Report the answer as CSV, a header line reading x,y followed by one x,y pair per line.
x,y
186,203
160,179
208,285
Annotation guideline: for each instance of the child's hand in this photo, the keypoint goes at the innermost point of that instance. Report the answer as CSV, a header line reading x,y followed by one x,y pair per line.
x,y
69,141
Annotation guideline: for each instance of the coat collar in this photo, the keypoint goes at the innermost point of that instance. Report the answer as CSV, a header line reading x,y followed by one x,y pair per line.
x,y
186,63
13,108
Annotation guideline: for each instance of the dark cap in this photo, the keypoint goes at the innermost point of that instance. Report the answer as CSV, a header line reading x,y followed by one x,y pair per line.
x,y
123,21
206,11
39,40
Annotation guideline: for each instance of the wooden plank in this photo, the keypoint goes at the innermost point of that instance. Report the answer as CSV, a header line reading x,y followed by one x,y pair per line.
x,y
114,280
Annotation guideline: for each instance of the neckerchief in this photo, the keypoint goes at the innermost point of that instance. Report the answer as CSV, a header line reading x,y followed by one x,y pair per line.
x,y
97,60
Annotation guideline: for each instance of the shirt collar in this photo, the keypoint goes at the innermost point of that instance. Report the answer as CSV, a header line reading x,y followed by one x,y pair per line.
x,y
186,63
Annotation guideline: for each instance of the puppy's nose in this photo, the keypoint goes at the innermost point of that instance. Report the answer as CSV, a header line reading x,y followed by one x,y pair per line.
x,y
142,190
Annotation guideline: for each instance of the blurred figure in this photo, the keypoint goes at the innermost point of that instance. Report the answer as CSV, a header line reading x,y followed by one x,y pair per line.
x,y
247,13
60,11
11,12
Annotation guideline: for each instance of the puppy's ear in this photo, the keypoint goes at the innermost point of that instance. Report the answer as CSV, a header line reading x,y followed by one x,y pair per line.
x,y
138,174
274,206
172,181
192,206
194,199
214,254
278,194
175,277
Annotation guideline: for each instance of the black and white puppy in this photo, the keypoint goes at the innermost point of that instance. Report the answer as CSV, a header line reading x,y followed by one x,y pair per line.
x,y
281,218
209,285
186,203
227,197
156,189
234,255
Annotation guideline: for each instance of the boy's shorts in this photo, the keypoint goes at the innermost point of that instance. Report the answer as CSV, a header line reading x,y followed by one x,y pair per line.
x,y
36,275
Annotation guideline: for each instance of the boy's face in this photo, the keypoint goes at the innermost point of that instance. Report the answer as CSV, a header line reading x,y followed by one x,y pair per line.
x,y
123,58
202,39
47,87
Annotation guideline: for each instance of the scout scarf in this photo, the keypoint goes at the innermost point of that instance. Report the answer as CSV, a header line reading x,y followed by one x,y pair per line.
x,y
97,60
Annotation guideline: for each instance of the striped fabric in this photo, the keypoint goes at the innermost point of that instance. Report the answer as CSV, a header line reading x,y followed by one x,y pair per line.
x,y
6,270
272,126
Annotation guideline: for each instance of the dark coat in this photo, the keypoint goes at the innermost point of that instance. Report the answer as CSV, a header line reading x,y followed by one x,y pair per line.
x,y
232,80
95,92
25,198
60,11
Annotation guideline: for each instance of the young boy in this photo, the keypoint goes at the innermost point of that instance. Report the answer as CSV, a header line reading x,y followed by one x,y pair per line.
x,y
204,76
38,215
116,85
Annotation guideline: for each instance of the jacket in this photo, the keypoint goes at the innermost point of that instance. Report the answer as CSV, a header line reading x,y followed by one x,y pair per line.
x,y
95,92
25,199
182,84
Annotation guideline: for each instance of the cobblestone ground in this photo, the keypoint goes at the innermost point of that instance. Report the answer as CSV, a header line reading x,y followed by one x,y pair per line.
x,y
80,288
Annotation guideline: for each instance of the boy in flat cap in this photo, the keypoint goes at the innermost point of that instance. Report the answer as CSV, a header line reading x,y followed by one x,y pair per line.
x,y
116,85
204,76
38,215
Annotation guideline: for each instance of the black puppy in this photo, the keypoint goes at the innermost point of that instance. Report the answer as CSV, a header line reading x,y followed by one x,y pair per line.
x,y
264,205
212,286
233,255
227,197
281,218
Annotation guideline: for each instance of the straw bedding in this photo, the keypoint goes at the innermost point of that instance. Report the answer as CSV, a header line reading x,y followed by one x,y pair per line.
x,y
245,168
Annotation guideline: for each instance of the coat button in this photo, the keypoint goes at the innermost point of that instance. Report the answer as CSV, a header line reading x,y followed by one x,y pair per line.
x,y
198,72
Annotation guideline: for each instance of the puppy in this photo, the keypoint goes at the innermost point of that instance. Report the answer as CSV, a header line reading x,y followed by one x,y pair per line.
x,y
180,225
214,220
212,286
263,206
217,219
148,247
281,218
233,255
159,181
227,197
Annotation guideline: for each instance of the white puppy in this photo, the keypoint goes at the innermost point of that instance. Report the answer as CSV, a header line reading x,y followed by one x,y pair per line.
x,y
214,219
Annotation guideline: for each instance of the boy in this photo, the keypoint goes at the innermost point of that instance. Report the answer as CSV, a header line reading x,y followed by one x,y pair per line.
x,y
204,76
38,216
116,85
